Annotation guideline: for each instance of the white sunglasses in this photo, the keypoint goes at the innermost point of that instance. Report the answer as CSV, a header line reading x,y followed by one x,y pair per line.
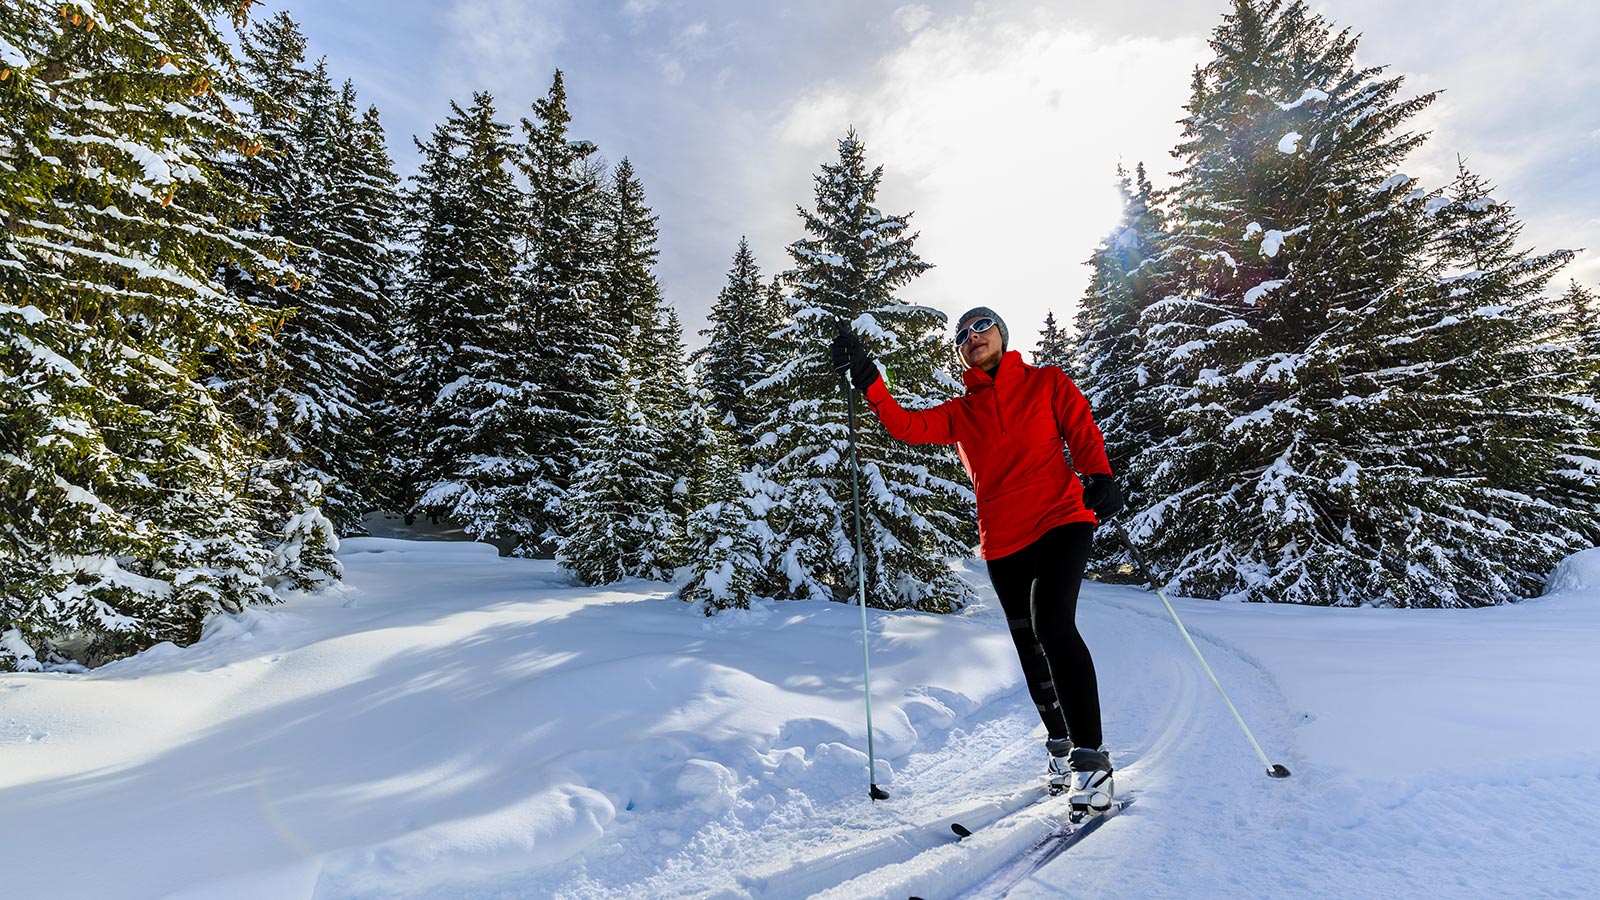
x,y
978,326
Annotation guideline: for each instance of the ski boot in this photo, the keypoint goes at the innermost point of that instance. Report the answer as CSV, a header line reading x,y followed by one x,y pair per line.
x,y
1090,788
1058,773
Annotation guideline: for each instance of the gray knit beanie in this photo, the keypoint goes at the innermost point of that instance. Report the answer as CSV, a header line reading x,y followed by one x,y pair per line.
x,y
978,312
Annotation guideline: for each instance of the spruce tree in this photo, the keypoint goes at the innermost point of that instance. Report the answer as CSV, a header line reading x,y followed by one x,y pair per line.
x,y
568,352
1582,311
1284,352
466,354
649,342
377,202
671,395
1108,341
1582,396
848,268
730,545
736,353
1055,347
618,523
126,517
350,328
258,386
629,296
307,393
1488,355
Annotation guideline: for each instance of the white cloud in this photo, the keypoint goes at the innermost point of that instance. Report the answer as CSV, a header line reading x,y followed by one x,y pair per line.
x,y
913,17
498,42
1004,137
688,45
638,9
815,119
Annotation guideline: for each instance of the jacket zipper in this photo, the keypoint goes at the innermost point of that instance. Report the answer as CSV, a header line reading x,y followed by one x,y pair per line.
x,y
998,420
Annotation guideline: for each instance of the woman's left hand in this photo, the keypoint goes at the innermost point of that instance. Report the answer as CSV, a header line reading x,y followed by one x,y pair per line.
x,y
1101,494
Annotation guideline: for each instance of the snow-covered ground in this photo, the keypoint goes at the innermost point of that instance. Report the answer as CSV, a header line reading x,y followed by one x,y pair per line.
x,y
452,724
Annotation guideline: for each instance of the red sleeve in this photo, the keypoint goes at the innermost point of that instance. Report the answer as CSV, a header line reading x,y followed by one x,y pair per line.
x,y
922,426
1083,437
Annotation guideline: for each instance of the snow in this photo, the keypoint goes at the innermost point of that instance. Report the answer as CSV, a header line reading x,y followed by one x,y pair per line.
x,y
451,724
1272,240
1261,290
1289,143
1577,574
11,56
1394,181
151,163
1311,95
1271,243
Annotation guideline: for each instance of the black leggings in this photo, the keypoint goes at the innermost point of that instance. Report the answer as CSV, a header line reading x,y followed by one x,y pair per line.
x,y
1038,590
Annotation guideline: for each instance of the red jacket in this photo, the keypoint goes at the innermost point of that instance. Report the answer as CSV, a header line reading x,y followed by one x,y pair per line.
x,y
1009,430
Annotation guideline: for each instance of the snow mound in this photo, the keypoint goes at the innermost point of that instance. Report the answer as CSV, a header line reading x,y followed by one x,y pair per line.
x,y
1578,573
539,830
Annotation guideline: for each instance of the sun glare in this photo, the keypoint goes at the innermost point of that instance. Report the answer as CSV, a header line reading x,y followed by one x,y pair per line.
x,y
1008,136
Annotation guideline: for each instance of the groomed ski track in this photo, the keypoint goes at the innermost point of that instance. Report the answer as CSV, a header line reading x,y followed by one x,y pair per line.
x,y
1172,740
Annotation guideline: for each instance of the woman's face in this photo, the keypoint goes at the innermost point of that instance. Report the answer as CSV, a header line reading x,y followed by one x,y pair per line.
x,y
982,348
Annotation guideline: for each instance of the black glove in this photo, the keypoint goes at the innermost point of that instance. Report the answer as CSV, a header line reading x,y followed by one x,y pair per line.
x,y
1101,494
850,356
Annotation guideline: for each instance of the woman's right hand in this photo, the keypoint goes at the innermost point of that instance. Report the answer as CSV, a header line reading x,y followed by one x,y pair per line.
x,y
850,356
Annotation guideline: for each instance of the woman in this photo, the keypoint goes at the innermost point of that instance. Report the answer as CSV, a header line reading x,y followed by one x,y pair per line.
x,y
1035,521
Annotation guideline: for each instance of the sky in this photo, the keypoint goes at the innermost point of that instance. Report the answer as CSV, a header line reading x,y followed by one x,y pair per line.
x,y
999,124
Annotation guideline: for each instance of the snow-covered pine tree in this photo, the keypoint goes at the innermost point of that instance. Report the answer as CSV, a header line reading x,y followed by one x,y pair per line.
x,y
125,520
467,355
1488,356
377,201
774,349
350,329
569,355
1582,309
650,340
916,512
1105,349
258,386
629,296
1286,350
683,423
735,355
618,524
1289,226
729,542
1054,346
306,392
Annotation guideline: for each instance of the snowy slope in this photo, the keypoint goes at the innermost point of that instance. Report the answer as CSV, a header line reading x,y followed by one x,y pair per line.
x,y
452,724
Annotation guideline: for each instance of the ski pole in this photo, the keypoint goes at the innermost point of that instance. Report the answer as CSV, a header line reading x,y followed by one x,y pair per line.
x,y
1273,769
875,792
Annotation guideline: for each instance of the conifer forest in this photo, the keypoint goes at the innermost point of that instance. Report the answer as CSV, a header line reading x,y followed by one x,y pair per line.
x,y
230,331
